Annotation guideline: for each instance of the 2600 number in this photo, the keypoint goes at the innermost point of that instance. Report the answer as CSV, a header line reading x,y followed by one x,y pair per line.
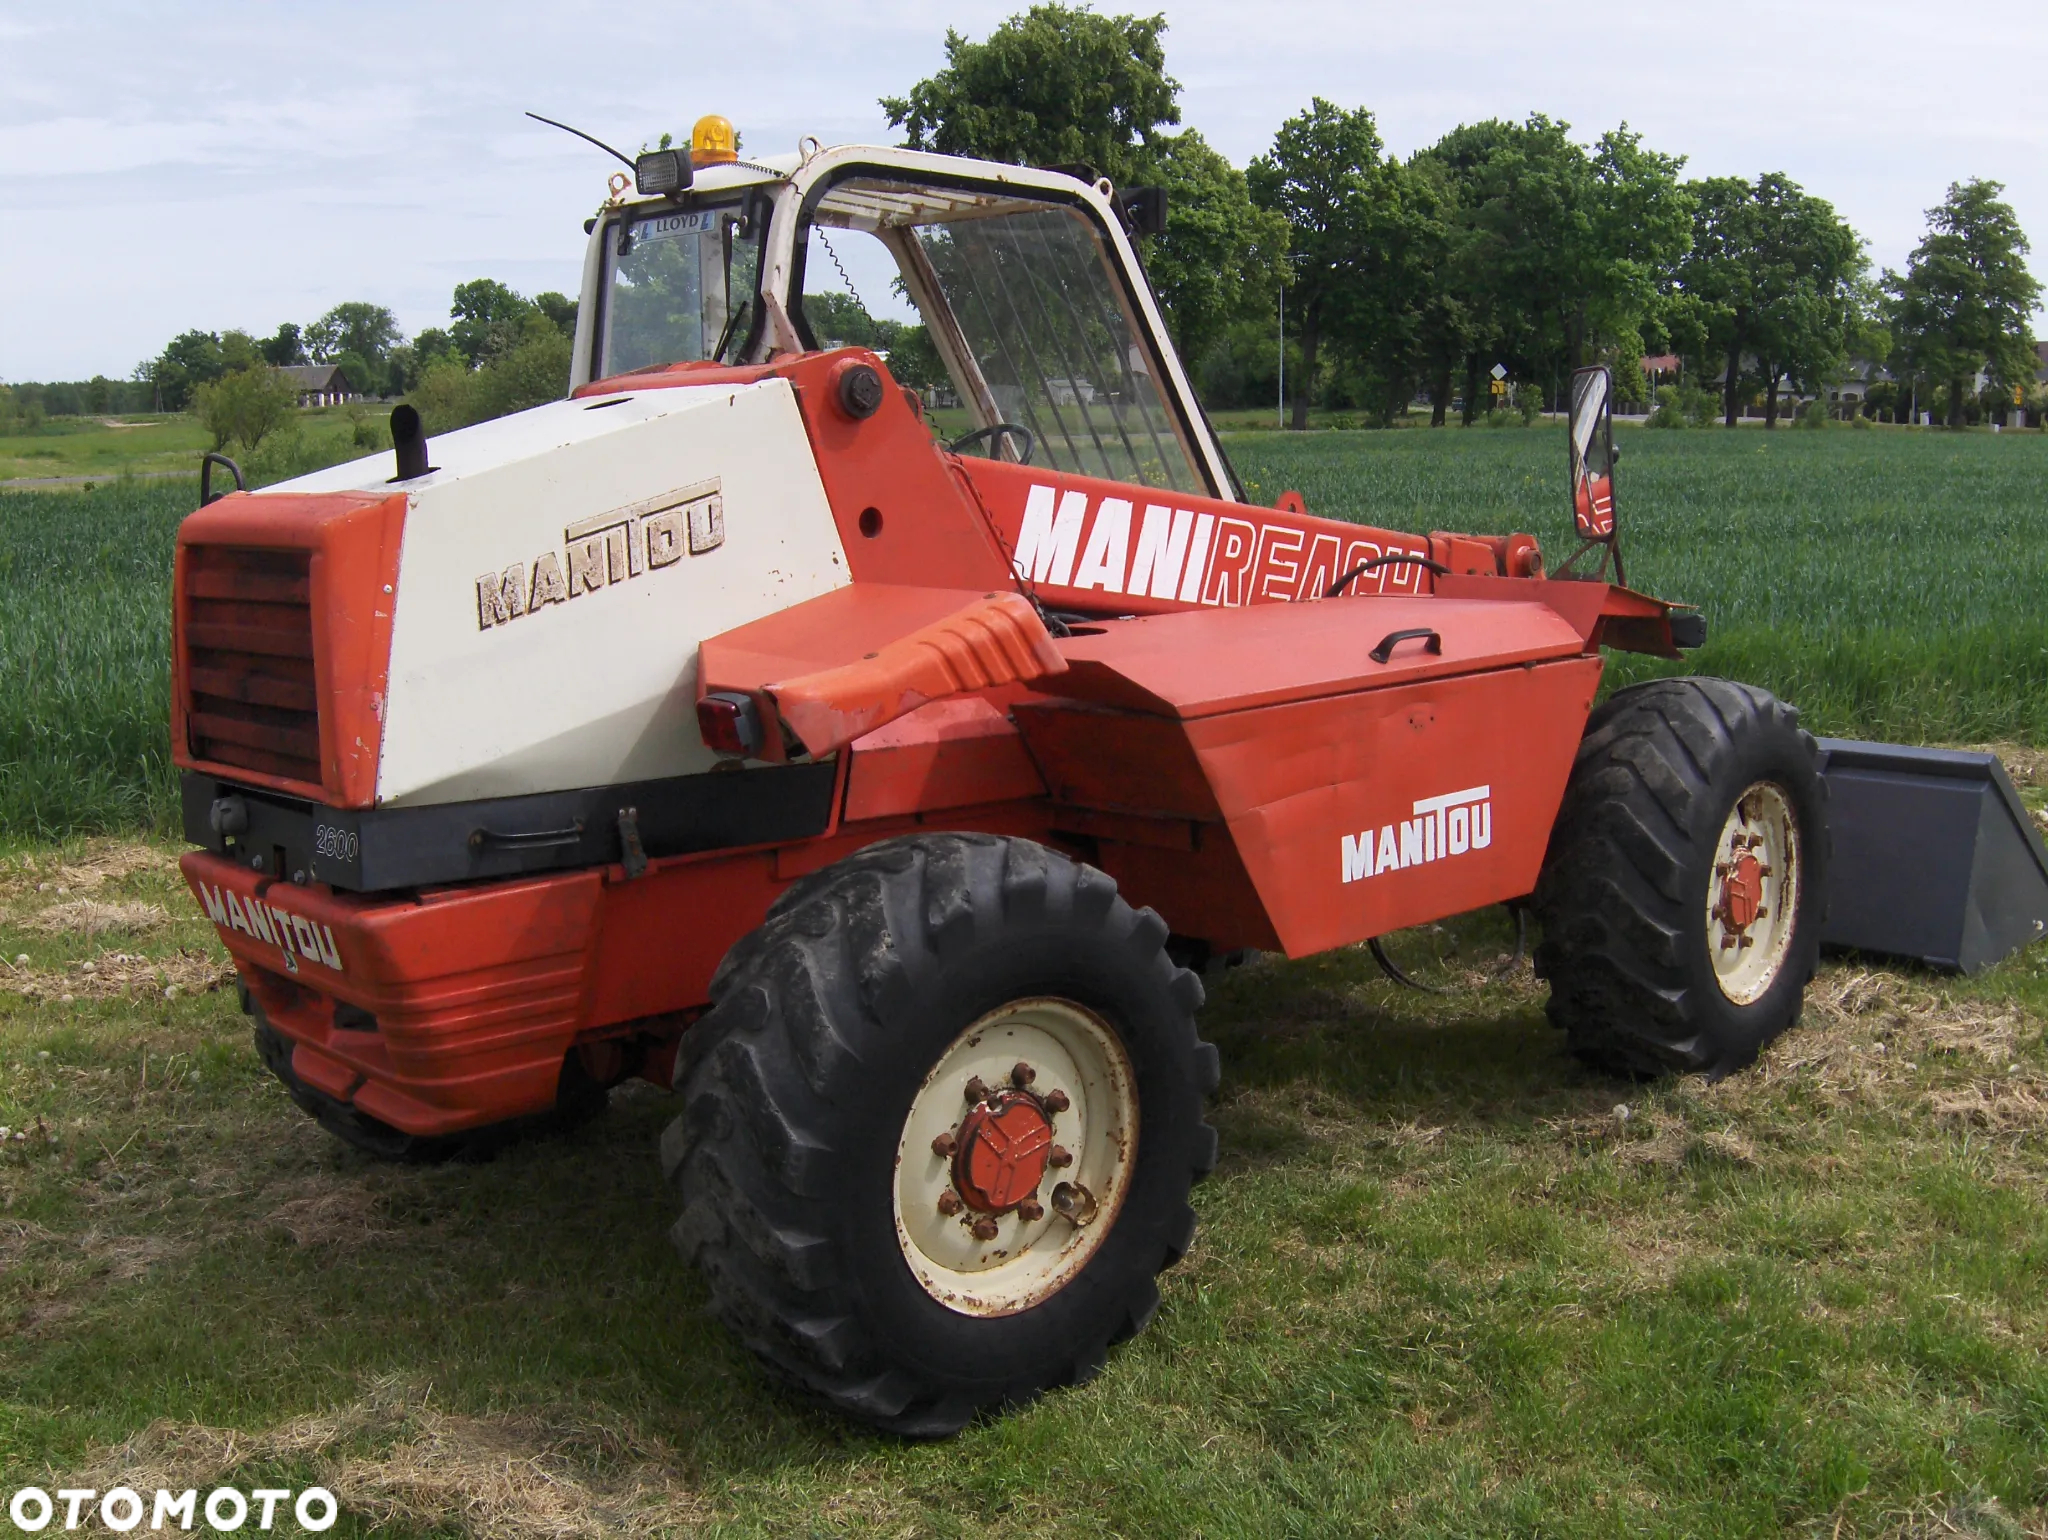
x,y
337,844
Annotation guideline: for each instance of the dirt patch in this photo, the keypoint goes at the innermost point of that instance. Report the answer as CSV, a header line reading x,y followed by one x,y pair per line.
x,y
99,862
394,1459
2027,767
1868,1035
89,917
120,974
341,1217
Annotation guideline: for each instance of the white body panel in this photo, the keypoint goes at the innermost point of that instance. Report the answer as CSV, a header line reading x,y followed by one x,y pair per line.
x,y
599,686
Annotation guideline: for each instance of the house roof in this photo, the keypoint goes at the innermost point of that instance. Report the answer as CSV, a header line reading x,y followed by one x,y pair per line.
x,y
327,377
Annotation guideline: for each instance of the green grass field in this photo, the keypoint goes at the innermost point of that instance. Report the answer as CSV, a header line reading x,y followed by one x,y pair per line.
x,y
1447,1282
105,449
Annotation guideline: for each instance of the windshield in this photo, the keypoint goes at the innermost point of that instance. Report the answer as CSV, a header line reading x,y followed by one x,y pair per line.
x,y
680,286
1023,314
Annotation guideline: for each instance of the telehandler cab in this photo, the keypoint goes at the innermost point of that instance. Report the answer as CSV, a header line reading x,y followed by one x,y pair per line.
x,y
883,796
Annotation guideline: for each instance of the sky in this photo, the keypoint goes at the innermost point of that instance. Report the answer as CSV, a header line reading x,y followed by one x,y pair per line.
x,y
239,163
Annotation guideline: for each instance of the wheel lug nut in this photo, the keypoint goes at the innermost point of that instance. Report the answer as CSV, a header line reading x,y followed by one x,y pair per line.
x,y
942,1146
1031,1211
1056,1101
985,1228
976,1091
1060,1157
1022,1075
949,1203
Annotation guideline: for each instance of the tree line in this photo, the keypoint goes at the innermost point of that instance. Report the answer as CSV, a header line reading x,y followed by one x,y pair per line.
x,y
1505,243
501,351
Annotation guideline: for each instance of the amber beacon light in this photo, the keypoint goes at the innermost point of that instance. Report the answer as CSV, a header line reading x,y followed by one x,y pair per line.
x,y
713,142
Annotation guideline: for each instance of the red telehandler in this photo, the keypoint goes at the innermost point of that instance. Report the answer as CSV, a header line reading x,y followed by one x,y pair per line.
x,y
884,796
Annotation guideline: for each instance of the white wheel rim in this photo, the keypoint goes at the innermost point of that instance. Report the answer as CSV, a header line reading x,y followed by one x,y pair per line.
x,y
1753,893
1074,1052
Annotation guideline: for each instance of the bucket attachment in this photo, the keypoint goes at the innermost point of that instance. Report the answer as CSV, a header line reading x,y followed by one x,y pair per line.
x,y
1935,857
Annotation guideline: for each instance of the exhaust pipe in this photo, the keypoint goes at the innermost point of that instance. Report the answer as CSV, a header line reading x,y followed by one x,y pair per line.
x,y
409,441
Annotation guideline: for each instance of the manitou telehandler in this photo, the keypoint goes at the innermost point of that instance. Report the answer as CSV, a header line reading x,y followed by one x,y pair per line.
x,y
881,795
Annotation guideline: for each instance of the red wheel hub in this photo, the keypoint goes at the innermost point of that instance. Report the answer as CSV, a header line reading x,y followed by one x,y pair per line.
x,y
1742,892
999,1157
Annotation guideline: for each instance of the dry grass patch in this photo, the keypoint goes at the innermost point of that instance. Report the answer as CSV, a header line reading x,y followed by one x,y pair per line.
x,y
98,862
1868,1035
89,917
335,1216
116,974
393,1458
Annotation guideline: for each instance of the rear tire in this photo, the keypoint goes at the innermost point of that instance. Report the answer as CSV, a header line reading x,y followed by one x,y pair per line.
x,y
1682,894
838,1040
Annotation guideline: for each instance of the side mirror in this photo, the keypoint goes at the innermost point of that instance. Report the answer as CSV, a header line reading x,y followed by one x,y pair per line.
x,y
1591,434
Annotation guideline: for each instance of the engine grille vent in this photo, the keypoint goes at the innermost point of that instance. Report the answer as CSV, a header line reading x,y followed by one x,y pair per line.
x,y
252,702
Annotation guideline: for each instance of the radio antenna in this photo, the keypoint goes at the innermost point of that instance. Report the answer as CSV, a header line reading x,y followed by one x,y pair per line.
x,y
565,128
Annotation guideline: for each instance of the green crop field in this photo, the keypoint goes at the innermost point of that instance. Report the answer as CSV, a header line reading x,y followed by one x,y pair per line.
x,y
1890,583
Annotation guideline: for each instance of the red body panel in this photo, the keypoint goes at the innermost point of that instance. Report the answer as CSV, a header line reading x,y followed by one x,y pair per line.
x,y
1247,767
352,539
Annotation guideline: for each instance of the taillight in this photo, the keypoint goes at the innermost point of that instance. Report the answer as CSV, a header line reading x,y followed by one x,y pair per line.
x,y
730,723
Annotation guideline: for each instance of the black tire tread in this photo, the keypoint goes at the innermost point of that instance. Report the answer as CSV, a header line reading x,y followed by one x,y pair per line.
x,y
793,1005
1612,898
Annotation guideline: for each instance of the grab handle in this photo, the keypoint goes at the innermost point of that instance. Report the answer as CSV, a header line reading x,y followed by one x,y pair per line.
x,y
207,462
536,839
1385,651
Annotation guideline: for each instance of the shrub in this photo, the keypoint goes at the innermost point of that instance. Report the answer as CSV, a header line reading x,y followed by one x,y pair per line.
x,y
245,407
1812,415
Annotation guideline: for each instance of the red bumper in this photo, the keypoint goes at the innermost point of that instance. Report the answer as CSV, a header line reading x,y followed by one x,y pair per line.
x,y
477,994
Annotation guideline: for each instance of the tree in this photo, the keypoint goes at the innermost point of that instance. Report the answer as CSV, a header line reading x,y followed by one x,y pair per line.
x,y
1061,86
369,331
490,318
285,348
245,406
1966,299
192,359
1774,274
1220,256
560,309
1325,176
1556,252
1055,86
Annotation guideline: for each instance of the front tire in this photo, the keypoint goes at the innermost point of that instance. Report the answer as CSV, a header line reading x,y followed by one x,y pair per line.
x,y
927,998
1681,896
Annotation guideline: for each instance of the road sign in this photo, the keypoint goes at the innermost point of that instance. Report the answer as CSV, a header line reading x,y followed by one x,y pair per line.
x,y
1500,371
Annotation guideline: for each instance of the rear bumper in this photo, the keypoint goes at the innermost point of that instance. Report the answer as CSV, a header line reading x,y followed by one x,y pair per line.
x,y
434,1014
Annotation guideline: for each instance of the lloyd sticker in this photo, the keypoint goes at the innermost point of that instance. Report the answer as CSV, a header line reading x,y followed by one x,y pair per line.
x,y
605,550
293,934
1450,825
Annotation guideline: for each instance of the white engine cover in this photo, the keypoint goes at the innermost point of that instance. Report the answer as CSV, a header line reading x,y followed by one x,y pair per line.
x,y
559,569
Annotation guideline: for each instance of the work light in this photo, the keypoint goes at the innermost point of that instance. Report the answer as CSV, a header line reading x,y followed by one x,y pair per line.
x,y
662,173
